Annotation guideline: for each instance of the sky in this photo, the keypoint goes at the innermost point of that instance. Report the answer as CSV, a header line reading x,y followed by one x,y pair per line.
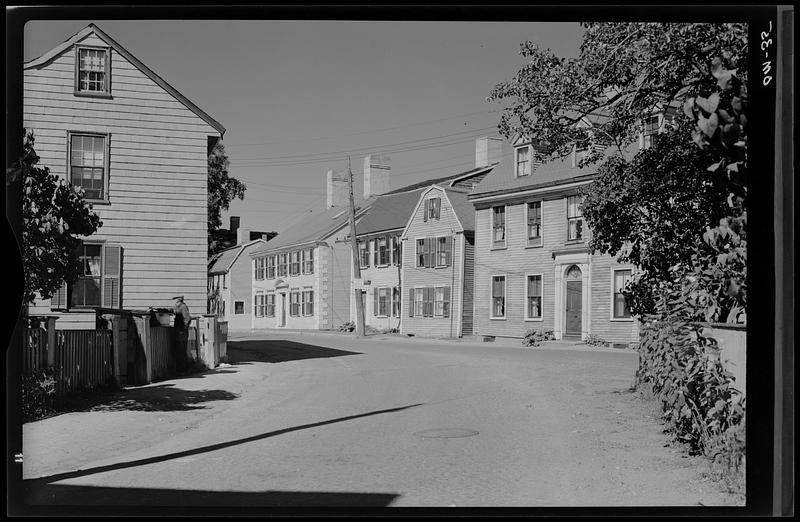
x,y
297,97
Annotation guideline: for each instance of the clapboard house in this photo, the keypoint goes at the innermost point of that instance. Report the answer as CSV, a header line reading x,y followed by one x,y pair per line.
x,y
108,123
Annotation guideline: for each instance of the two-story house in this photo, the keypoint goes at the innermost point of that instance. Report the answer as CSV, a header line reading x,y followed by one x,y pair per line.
x,y
533,268
107,123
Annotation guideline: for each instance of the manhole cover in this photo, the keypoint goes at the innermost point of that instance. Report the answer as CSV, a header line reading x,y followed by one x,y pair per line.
x,y
446,433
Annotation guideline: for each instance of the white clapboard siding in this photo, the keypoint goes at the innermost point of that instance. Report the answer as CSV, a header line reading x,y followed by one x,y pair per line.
x,y
157,189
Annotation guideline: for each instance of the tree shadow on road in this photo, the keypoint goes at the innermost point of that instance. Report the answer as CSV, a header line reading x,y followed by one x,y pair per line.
x,y
280,350
74,495
162,397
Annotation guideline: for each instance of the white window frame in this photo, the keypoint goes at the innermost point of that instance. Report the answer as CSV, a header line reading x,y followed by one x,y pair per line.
x,y
261,264
106,160
615,269
299,302
438,207
517,151
271,264
384,292
541,304
421,311
303,302
269,301
386,253
540,242
505,297
363,253
438,253
644,143
583,237
497,245
106,92
259,307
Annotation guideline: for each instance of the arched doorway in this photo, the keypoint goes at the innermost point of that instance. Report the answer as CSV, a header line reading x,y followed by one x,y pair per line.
x,y
574,309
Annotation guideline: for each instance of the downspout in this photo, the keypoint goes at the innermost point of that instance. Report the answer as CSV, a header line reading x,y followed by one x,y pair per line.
x,y
453,277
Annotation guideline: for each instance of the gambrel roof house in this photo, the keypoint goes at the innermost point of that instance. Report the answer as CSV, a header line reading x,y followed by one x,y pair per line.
x,y
108,123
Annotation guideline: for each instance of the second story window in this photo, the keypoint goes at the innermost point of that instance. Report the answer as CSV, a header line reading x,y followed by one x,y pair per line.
x,y
534,223
294,263
574,219
283,265
92,71
523,161
396,255
363,252
652,126
443,251
271,267
433,207
383,251
260,268
308,261
88,164
499,226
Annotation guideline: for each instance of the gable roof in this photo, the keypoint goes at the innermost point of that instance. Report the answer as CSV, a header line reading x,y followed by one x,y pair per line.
x,y
223,261
462,207
445,180
93,29
389,212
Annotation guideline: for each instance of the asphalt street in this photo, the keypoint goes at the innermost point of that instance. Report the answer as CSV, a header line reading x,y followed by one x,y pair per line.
x,y
329,420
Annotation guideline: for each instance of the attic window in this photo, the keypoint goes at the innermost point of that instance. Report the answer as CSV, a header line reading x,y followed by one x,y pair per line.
x,y
523,161
92,71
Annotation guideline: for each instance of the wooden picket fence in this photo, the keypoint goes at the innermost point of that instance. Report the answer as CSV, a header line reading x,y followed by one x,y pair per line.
x,y
83,359
162,360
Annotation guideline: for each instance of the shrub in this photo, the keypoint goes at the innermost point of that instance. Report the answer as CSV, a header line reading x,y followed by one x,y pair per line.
x,y
596,340
349,326
535,337
38,394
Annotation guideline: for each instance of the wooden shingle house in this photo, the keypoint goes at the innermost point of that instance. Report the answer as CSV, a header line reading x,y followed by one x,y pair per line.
x,y
106,122
533,267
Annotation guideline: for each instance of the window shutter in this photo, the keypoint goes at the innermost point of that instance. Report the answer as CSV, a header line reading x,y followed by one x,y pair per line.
x,y
425,213
448,250
59,299
429,252
375,302
446,306
426,307
112,276
411,302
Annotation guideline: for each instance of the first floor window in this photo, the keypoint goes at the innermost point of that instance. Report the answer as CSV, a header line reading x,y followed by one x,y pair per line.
x,y
381,302
270,311
86,290
442,301
308,302
499,226
419,302
87,164
294,303
258,305
574,218
271,267
534,297
395,302
498,296
535,223
99,282
238,307
621,279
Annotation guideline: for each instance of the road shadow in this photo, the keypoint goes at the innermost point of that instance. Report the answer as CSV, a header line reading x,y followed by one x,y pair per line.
x,y
162,397
70,495
280,350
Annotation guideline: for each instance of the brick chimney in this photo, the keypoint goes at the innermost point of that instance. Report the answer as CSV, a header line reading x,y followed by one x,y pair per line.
x,y
488,151
338,189
377,171
235,220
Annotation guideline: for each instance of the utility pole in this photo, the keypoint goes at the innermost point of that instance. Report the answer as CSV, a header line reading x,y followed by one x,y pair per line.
x,y
360,326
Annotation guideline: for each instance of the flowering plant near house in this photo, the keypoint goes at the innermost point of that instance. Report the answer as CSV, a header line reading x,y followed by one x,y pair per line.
x,y
54,214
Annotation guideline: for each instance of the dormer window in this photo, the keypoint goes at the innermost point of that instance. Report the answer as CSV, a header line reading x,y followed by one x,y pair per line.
x,y
651,129
92,71
523,161
579,151
432,210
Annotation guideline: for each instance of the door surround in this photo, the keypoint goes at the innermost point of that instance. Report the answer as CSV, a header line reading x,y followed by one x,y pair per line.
x,y
563,263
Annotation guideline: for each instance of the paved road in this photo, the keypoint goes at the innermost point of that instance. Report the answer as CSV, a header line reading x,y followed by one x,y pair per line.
x,y
312,419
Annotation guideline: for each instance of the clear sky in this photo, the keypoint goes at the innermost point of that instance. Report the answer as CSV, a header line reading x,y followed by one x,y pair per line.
x,y
297,97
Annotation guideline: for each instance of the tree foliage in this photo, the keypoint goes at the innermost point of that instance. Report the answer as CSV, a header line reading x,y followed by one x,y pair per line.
x,y
222,188
676,211
54,215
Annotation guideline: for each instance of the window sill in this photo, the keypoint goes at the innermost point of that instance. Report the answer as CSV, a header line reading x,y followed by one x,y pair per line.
x,y
98,201
540,245
622,319
497,247
498,319
534,319
88,94
570,242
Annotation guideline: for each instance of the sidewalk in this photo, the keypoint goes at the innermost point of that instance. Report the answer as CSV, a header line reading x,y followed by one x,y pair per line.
x,y
471,340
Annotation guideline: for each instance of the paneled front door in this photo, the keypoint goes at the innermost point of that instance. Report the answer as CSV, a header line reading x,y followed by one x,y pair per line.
x,y
574,311
283,310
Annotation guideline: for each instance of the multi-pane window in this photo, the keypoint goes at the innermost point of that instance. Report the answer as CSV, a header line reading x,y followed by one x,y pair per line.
x,y
363,253
283,264
373,246
270,311
396,252
260,263
620,305
92,74
499,226
381,301
535,223
433,207
523,163
419,302
652,125
87,164
308,302
395,302
271,267
294,263
574,218
86,290
258,305
294,303
383,251
238,307
441,301
308,261
498,296
444,249
534,291
422,258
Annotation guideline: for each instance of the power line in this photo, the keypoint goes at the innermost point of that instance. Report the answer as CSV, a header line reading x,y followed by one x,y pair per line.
x,y
373,131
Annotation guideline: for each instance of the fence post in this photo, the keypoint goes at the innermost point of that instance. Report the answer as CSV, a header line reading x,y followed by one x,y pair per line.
x,y
209,338
51,341
119,334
